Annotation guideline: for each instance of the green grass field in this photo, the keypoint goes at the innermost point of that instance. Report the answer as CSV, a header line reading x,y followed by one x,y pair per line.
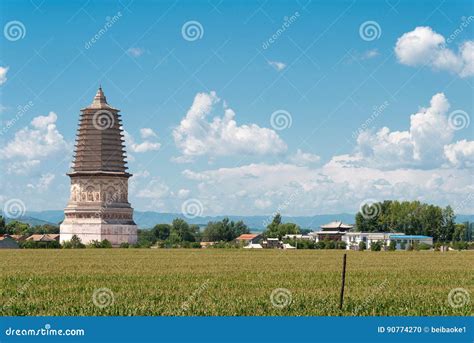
x,y
232,282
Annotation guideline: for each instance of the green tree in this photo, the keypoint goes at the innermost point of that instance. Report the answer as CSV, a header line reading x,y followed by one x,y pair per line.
x,y
162,231
16,227
277,229
145,238
362,246
224,230
2,226
460,232
448,224
185,232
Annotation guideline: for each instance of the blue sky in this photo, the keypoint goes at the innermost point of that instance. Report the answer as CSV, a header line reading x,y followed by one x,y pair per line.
x,y
323,72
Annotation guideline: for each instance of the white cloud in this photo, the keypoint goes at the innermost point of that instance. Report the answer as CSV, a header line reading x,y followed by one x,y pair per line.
x,y
262,203
460,154
277,65
147,133
196,136
3,75
40,140
146,145
135,52
370,54
421,146
21,167
43,183
183,193
303,158
333,188
423,46
155,189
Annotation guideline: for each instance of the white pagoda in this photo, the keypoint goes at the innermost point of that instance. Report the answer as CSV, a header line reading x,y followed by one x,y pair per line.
x,y
98,207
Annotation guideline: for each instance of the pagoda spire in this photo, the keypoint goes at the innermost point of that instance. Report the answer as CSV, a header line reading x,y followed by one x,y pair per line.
x,y
99,99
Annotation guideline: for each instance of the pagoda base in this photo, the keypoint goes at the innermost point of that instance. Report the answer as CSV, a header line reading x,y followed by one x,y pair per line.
x,y
116,234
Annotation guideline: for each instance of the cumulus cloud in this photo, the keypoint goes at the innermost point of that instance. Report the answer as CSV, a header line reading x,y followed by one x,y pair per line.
x,y
42,139
21,167
155,189
3,75
421,146
149,141
43,183
221,136
460,154
279,66
147,133
303,158
332,188
423,46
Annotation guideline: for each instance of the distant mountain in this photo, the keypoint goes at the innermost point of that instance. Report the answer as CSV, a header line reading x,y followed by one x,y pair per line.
x,y
30,220
149,219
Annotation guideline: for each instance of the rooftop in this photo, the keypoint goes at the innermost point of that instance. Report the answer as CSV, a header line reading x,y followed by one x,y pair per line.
x,y
247,236
409,237
336,225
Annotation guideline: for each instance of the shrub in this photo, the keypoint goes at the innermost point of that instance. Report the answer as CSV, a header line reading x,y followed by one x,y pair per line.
x,y
424,246
100,244
320,245
362,246
340,245
124,245
76,243
376,246
392,246
40,245
330,244
460,245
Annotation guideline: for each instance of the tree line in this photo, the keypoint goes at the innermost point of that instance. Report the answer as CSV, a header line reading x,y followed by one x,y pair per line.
x,y
411,218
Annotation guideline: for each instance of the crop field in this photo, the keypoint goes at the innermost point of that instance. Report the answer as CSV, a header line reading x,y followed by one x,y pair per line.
x,y
181,282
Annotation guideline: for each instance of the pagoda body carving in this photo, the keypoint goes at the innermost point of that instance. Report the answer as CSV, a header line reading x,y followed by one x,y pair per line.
x,y
98,206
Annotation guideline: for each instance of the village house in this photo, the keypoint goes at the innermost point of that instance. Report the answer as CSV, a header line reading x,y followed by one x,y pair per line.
x,y
19,238
353,239
7,242
332,231
249,238
48,237
403,241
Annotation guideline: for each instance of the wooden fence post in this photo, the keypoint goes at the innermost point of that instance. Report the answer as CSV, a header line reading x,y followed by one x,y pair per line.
x,y
341,300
